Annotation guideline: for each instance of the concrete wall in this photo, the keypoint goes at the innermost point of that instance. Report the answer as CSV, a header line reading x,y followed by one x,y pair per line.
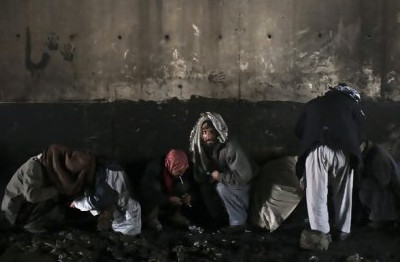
x,y
155,50
128,78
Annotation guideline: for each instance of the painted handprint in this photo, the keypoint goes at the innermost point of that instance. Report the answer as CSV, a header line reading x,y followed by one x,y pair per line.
x,y
216,77
68,52
52,41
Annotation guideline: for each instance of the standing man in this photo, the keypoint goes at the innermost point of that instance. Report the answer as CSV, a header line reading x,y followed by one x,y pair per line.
x,y
222,169
331,128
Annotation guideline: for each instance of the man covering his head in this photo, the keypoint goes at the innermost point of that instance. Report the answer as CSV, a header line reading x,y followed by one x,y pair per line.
x,y
222,169
31,198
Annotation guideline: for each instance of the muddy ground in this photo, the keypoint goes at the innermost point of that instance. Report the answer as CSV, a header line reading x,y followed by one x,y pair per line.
x,y
81,242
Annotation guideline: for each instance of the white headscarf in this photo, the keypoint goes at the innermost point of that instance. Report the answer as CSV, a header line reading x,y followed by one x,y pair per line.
x,y
195,136
344,88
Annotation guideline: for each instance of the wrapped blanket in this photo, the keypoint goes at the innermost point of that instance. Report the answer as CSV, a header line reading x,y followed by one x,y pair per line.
x,y
276,193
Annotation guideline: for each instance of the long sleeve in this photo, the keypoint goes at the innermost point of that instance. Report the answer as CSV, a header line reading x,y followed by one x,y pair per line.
x,y
239,170
151,186
34,188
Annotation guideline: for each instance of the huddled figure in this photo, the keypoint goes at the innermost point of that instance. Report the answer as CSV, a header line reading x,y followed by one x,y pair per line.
x,y
222,170
35,197
379,185
164,190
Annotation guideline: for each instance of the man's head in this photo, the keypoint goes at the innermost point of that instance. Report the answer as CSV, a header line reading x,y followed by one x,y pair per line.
x,y
347,90
210,130
208,134
176,162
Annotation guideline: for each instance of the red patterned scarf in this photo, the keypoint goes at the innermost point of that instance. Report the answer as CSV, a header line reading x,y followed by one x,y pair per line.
x,y
175,159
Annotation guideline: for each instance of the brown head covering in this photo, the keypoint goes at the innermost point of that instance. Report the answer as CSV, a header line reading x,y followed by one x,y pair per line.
x,y
69,170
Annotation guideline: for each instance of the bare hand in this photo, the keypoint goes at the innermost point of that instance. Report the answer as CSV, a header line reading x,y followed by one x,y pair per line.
x,y
175,201
215,174
187,199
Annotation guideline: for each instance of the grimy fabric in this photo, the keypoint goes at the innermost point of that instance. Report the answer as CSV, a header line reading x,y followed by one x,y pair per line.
x,y
326,167
330,128
69,170
275,193
126,217
334,120
231,161
29,184
379,188
236,201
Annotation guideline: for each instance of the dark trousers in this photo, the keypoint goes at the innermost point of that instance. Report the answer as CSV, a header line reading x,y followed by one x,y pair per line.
x,y
47,212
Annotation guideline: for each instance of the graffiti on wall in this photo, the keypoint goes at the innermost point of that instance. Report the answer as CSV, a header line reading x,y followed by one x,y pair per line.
x,y
52,41
68,52
34,68
216,77
52,44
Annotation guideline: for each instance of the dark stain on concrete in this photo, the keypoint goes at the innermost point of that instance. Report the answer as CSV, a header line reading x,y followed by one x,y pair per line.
x,y
31,66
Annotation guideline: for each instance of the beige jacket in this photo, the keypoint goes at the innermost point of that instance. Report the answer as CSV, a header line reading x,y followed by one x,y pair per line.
x,y
28,184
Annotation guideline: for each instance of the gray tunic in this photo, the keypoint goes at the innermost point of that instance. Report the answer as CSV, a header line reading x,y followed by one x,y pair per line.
x,y
235,173
28,184
231,161
380,184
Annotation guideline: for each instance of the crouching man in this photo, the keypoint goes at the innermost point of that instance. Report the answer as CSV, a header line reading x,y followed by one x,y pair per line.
x,y
223,171
165,189
31,198
110,197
